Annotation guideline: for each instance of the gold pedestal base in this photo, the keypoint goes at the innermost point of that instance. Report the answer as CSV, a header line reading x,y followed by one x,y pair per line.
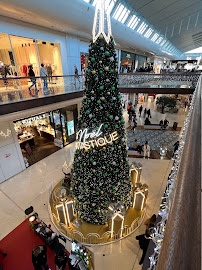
x,y
88,233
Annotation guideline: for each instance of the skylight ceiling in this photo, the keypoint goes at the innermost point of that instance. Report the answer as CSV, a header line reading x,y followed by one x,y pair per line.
x,y
123,11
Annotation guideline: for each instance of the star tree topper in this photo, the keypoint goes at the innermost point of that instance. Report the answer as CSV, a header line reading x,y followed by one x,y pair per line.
x,y
102,23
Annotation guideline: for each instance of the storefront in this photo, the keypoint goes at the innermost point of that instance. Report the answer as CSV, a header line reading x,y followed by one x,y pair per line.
x,y
127,62
84,62
17,53
41,135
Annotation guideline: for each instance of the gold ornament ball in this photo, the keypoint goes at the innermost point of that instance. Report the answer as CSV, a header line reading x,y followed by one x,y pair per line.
x,y
98,211
97,110
76,182
86,190
94,171
119,147
86,150
100,62
121,167
101,192
104,148
93,72
116,69
106,68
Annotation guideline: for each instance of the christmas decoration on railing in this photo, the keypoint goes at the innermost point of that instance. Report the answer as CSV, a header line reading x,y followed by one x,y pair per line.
x,y
157,233
131,79
5,135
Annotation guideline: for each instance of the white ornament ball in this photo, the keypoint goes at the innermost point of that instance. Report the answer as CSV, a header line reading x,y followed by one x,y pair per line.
x,y
113,98
101,48
90,115
111,58
108,93
116,118
102,98
94,163
107,80
92,98
114,163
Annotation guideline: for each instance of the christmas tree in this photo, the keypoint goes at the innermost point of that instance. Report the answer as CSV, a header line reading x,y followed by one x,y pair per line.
x,y
101,167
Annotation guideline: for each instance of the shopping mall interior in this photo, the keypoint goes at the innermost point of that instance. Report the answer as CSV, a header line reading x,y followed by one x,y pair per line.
x,y
100,134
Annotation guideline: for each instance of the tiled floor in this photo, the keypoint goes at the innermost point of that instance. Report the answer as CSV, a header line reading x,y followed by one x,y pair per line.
x,y
31,187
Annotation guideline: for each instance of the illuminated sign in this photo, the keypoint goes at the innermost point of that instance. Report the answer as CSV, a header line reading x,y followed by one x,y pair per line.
x,y
34,118
82,135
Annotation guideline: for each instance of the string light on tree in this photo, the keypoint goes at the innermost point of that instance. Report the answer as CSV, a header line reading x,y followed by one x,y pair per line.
x,y
101,167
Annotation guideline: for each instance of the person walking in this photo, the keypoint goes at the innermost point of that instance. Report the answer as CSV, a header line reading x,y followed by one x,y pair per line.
x,y
144,240
39,258
176,146
61,260
43,73
145,112
140,110
134,123
33,80
130,117
146,149
149,113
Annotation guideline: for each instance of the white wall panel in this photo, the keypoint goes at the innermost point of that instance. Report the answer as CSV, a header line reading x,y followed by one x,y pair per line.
x,y
10,163
11,159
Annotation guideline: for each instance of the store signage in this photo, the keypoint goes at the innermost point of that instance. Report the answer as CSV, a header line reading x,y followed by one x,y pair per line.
x,y
82,135
34,118
127,55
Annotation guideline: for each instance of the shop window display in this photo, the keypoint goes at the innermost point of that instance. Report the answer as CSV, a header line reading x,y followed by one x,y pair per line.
x,y
50,56
36,137
25,54
7,63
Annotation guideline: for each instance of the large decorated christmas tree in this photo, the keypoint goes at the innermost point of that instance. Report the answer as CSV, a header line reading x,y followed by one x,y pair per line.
x,y
101,167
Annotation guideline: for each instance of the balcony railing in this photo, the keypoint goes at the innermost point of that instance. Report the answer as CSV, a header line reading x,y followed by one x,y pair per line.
x,y
17,88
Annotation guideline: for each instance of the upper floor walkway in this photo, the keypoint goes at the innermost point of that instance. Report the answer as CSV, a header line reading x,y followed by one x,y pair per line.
x,y
17,94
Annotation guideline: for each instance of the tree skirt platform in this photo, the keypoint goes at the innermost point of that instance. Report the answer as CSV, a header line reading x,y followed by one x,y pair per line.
x,y
89,233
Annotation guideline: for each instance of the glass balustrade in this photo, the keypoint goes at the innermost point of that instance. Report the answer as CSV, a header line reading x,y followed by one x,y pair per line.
x,y
15,89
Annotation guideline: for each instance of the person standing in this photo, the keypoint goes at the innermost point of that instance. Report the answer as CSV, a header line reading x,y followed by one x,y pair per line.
x,y
161,124
140,110
33,79
146,149
39,258
165,123
43,73
61,260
